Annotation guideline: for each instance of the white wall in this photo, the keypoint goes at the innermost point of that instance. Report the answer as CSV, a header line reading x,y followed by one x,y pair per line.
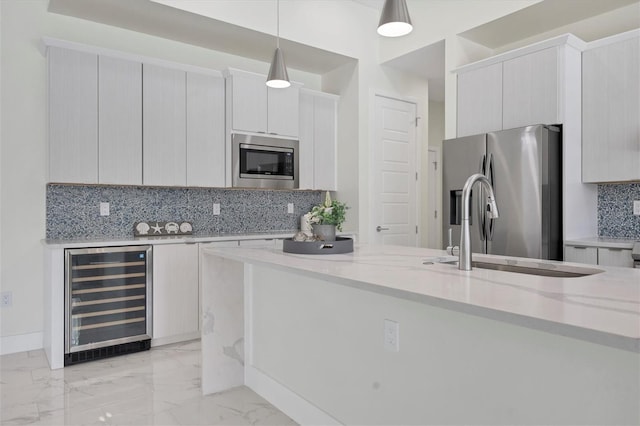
x,y
436,135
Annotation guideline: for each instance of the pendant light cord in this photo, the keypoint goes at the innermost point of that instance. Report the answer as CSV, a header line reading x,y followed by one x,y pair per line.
x,y
278,23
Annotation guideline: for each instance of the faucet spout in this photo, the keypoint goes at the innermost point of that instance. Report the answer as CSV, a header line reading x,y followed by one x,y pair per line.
x,y
464,262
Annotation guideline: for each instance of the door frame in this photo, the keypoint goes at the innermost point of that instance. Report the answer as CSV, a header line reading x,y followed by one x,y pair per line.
x,y
370,233
438,188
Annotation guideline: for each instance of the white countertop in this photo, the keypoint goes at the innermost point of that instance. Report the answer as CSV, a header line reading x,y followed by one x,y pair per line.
x,y
168,239
603,308
605,242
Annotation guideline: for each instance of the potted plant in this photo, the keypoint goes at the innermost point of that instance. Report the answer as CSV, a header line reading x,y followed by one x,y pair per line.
x,y
326,217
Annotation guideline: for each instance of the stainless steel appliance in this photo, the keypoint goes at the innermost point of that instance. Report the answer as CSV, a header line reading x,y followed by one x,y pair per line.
x,y
524,166
635,254
108,308
264,162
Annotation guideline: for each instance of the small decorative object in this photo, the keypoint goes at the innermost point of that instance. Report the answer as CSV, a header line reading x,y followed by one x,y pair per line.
x,y
326,217
305,224
299,236
162,229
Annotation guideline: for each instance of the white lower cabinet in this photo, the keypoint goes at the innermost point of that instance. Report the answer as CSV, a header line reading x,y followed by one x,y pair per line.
x,y
581,254
615,257
176,300
603,256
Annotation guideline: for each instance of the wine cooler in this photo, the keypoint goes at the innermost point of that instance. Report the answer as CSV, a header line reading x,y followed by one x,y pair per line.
x,y
107,302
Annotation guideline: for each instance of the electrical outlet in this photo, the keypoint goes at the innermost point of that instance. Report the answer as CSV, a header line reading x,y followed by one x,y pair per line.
x,y
6,299
216,209
391,336
104,209
290,208
636,207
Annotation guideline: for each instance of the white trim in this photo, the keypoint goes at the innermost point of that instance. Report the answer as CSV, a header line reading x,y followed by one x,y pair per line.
x,y
175,339
321,94
293,405
566,39
20,343
65,44
613,39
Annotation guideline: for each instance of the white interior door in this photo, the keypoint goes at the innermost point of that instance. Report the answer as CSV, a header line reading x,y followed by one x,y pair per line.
x,y
394,192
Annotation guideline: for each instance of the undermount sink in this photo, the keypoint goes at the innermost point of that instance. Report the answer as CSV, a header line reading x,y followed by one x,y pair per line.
x,y
522,267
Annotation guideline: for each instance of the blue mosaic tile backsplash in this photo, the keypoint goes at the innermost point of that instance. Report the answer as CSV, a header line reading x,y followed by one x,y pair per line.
x,y
73,211
615,210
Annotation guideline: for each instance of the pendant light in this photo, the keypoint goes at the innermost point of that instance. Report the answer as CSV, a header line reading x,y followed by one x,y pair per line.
x,y
394,19
278,77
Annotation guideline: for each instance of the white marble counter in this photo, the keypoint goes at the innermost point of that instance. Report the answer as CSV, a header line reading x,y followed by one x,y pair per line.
x,y
623,243
603,308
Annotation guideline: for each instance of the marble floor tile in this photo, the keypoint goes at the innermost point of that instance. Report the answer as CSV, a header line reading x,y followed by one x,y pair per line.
x,y
156,387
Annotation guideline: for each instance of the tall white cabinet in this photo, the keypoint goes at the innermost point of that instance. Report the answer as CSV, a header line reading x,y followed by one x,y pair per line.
x,y
164,126
73,116
318,140
120,121
480,100
611,109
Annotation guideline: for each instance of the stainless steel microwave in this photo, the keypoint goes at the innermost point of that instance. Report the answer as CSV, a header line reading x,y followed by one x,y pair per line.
x,y
264,162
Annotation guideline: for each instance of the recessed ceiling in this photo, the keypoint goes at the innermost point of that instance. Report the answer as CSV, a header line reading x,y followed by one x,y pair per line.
x,y
540,18
167,22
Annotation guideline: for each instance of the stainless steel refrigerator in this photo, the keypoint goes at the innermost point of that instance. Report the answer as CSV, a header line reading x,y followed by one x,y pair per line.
x,y
524,166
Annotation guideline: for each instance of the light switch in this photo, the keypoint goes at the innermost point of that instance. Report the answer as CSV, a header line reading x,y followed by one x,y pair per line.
x,y
216,209
290,208
636,207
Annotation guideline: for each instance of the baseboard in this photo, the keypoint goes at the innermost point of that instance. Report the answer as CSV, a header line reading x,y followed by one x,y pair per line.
x,y
21,343
294,406
174,339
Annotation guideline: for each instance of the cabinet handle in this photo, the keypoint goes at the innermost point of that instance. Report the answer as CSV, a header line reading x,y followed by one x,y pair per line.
x,y
579,248
613,249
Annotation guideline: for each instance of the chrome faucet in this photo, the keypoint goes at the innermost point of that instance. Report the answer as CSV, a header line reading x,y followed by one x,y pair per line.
x,y
464,261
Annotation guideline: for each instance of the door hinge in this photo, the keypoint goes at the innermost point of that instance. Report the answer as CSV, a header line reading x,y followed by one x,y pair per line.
x,y
417,118
435,165
435,214
416,175
416,229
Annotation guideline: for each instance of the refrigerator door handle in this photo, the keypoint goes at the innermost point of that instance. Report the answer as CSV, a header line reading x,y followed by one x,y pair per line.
x,y
480,203
488,221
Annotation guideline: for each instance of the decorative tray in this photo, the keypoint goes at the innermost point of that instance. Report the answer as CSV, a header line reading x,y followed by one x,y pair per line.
x,y
340,245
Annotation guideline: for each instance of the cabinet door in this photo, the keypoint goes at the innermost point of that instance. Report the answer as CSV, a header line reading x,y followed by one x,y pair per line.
x,y
205,130
615,257
480,100
305,157
73,116
249,103
610,110
120,118
324,143
581,254
530,89
176,302
164,120
283,110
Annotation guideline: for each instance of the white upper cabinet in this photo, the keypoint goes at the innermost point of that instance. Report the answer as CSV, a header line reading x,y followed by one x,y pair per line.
x,y
205,130
530,89
318,140
611,109
253,107
515,89
73,116
120,118
480,100
164,126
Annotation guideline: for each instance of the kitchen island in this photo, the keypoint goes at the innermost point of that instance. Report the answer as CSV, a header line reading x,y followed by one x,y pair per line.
x,y
310,334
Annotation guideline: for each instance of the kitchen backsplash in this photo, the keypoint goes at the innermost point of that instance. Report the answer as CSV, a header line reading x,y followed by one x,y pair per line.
x,y
615,210
73,211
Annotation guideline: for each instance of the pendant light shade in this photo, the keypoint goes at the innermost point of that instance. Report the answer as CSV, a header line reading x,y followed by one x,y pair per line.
x,y
394,19
278,77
